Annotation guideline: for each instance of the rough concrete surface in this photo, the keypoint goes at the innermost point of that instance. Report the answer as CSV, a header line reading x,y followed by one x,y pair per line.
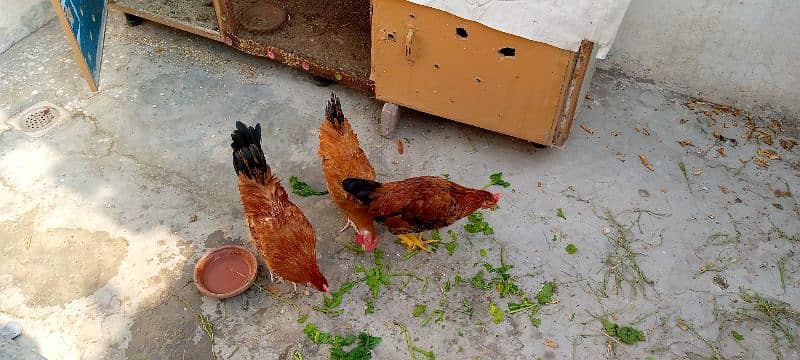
x,y
103,217
19,18
739,52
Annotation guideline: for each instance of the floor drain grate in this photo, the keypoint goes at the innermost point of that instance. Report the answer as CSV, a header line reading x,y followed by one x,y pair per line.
x,y
38,119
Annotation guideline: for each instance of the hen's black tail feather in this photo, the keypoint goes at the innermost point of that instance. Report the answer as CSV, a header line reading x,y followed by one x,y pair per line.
x,y
360,188
333,112
248,159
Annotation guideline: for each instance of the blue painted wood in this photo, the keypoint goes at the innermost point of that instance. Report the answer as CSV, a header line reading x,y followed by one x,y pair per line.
x,y
87,21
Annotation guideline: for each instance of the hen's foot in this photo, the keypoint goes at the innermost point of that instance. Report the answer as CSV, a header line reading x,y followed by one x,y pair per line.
x,y
415,241
349,224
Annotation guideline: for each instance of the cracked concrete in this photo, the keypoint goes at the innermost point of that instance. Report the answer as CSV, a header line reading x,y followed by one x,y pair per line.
x,y
103,218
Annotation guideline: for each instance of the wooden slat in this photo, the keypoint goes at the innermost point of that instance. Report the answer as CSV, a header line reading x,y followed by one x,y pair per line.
x,y
207,33
76,50
572,96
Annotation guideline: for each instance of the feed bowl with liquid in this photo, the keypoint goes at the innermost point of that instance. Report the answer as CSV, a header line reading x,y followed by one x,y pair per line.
x,y
225,272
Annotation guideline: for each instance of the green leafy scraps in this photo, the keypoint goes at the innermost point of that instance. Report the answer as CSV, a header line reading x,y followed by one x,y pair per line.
x,y
330,305
625,334
545,295
735,334
353,247
419,310
450,246
497,179
379,275
362,350
467,308
479,282
439,313
571,249
303,189
369,307
496,312
478,225
560,213
503,281
302,318
526,304
536,322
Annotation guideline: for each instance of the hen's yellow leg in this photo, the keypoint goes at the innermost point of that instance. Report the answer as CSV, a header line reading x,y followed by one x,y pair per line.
x,y
415,241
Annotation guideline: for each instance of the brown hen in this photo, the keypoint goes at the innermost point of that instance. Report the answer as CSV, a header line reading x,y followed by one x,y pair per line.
x,y
278,228
342,158
418,204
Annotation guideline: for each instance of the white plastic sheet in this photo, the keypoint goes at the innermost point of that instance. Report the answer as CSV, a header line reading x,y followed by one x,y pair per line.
x,y
561,23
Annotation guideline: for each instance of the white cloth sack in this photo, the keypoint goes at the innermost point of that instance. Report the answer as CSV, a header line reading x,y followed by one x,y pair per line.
x,y
561,23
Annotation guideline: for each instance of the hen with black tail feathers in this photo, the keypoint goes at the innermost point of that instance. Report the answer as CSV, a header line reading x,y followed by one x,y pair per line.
x,y
342,157
278,228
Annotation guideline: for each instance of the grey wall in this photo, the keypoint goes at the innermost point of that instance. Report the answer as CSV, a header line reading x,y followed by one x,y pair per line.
x,y
18,18
743,52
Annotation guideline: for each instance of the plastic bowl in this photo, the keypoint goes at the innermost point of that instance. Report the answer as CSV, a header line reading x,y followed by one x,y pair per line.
x,y
225,271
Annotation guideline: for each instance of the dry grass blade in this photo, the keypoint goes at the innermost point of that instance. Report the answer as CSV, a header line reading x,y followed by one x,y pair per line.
x,y
715,348
622,264
204,322
777,314
645,162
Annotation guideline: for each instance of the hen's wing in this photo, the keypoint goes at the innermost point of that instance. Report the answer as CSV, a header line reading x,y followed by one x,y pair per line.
x,y
415,205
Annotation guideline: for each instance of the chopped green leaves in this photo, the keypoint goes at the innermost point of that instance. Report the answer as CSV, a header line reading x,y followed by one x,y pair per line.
x,y
736,335
303,189
545,295
497,179
571,249
526,304
362,350
374,277
439,317
419,310
483,252
479,282
467,308
330,304
451,247
379,275
626,334
496,312
536,322
369,307
478,225
302,318
560,213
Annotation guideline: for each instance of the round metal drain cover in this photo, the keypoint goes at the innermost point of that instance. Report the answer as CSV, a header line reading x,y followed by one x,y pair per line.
x,y
262,17
39,119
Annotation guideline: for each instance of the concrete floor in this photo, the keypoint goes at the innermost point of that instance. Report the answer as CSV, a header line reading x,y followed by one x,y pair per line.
x,y
104,217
